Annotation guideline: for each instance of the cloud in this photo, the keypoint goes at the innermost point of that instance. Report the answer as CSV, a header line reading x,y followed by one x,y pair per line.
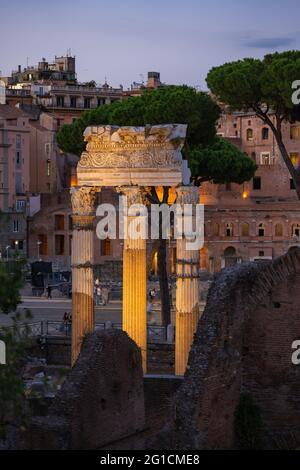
x,y
269,43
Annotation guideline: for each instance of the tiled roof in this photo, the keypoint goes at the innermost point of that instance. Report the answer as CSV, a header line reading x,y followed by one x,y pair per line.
x,y
10,112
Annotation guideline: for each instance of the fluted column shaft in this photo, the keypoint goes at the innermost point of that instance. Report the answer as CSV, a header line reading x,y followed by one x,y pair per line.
x,y
135,279
187,288
83,314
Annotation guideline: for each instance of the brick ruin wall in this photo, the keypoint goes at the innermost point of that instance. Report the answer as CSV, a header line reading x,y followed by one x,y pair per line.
x,y
243,344
101,401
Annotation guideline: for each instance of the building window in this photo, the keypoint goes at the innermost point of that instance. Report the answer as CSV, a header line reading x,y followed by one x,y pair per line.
x,y
294,156
294,132
228,186
70,222
18,157
230,256
257,183
59,122
73,101
15,226
229,230
20,206
261,253
265,133
261,230
249,134
60,101
296,230
17,245
215,229
100,101
87,103
265,158
59,222
59,245
48,167
106,247
253,156
249,123
42,245
278,230
47,148
18,141
245,230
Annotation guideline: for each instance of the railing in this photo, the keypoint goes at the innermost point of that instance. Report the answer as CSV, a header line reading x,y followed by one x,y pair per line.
x,y
155,333
85,89
17,92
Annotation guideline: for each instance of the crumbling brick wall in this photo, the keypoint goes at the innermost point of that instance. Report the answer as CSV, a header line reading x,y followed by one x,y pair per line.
x,y
243,344
102,399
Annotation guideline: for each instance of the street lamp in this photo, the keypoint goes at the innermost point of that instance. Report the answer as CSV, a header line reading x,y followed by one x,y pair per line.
x,y
38,248
7,252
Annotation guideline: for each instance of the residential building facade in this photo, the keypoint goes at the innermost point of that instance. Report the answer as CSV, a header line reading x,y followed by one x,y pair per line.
x,y
260,219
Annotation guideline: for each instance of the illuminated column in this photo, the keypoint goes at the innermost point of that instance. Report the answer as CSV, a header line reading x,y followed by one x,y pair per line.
x,y
83,315
187,287
135,276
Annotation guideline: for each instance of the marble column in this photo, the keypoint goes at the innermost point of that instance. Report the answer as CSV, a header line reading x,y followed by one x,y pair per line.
x,y
83,315
187,287
135,277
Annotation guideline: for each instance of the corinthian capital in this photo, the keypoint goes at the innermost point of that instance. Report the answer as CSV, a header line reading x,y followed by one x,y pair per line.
x,y
83,200
187,195
134,194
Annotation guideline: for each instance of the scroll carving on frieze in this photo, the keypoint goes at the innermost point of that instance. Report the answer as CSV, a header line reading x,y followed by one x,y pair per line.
x,y
133,147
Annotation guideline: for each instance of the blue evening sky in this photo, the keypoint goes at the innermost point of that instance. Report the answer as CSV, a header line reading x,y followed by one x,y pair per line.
x,y
122,40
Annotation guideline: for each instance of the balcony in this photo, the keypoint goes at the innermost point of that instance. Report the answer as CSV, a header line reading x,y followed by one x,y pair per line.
x,y
17,92
84,90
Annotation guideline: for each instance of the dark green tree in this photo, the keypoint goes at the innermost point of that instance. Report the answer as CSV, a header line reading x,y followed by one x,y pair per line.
x,y
264,86
221,162
11,385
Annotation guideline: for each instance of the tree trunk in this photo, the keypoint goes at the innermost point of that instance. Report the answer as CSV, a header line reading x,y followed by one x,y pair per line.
x,y
163,282
277,131
162,261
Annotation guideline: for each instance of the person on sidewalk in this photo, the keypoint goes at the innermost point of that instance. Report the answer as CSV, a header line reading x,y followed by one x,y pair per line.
x,y
49,292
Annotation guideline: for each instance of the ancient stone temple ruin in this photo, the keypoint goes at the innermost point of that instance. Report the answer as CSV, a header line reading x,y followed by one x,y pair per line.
x,y
132,159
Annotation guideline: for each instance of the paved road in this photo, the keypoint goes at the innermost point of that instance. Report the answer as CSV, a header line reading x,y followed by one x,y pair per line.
x,y
44,309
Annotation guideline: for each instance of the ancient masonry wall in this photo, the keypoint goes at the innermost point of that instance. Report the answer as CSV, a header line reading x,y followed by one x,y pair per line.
x,y
101,401
244,344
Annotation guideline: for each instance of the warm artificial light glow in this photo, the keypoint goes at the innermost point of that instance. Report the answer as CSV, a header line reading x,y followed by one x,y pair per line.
x,y
172,194
245,195
74,181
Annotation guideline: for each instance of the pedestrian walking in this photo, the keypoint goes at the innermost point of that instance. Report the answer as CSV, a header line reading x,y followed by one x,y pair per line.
x,y
98,295
49,292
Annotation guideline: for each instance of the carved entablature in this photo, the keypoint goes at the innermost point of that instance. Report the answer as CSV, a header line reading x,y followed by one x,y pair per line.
x,y
143,156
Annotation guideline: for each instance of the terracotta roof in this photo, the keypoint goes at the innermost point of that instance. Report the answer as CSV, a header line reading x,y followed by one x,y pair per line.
x,y
10,112
37,126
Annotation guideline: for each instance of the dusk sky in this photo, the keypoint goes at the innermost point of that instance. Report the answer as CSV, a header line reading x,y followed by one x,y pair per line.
x,y
122,40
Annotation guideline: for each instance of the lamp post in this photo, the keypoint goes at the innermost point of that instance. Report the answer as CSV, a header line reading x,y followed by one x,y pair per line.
x,y
7,252
38,248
